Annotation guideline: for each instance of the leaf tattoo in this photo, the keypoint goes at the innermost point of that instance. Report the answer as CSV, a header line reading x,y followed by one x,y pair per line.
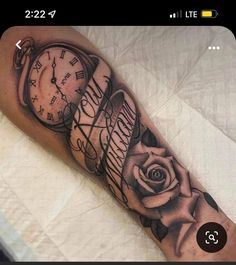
x,y
146,222
159,230
149,139
210,201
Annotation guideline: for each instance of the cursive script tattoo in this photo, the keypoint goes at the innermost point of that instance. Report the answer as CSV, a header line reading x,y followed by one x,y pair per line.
x,y
75,93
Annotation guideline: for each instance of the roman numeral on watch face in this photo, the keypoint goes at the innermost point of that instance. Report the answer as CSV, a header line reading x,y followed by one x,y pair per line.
x,y
62,54
60,115
79,75
49,57
73,61
35,98
37,66
53,99
41,110
32,82
50,116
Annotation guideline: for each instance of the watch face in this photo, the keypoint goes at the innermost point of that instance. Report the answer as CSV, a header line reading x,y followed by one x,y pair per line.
x,y
56,79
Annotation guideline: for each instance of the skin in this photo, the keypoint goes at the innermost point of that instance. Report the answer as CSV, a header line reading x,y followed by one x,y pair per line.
x,y
147,178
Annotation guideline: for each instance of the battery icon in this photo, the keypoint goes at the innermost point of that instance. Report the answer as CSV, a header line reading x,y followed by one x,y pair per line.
x,y
209,13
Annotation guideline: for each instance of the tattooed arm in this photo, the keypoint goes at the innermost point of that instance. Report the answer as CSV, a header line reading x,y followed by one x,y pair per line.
x,y
59,90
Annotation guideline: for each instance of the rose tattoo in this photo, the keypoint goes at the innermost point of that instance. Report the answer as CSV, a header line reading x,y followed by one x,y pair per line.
x,y
158,187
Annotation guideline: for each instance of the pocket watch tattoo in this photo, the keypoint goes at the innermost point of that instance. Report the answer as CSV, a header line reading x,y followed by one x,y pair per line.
x,y
75,93
52,76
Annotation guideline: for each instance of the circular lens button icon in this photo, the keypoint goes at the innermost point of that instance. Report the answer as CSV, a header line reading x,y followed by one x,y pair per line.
x,y
211,237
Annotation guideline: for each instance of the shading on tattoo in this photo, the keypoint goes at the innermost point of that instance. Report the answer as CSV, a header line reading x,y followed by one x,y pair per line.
x,y
75,93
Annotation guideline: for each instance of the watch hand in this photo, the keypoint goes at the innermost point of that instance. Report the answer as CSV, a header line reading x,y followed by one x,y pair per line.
x,y
63,96
53,80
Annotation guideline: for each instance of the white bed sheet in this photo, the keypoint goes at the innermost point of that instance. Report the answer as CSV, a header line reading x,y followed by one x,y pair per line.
x,y
50,212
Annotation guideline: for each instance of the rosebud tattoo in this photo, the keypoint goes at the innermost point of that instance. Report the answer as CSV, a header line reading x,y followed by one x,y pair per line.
x,y
75,93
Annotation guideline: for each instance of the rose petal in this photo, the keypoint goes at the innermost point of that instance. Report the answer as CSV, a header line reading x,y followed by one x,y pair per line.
x,y
170,168
131,161
165,162
135,204
172,185
183,177
138,175
183,232
156,186
161,198
155,166
179,210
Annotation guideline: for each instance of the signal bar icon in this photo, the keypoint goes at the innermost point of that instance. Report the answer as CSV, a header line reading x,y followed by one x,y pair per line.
x,y
177,14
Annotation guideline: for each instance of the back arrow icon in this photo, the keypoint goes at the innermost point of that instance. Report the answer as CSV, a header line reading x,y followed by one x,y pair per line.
x,y
17,44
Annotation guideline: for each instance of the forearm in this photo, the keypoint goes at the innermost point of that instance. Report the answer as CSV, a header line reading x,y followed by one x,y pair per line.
x,y
61,92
